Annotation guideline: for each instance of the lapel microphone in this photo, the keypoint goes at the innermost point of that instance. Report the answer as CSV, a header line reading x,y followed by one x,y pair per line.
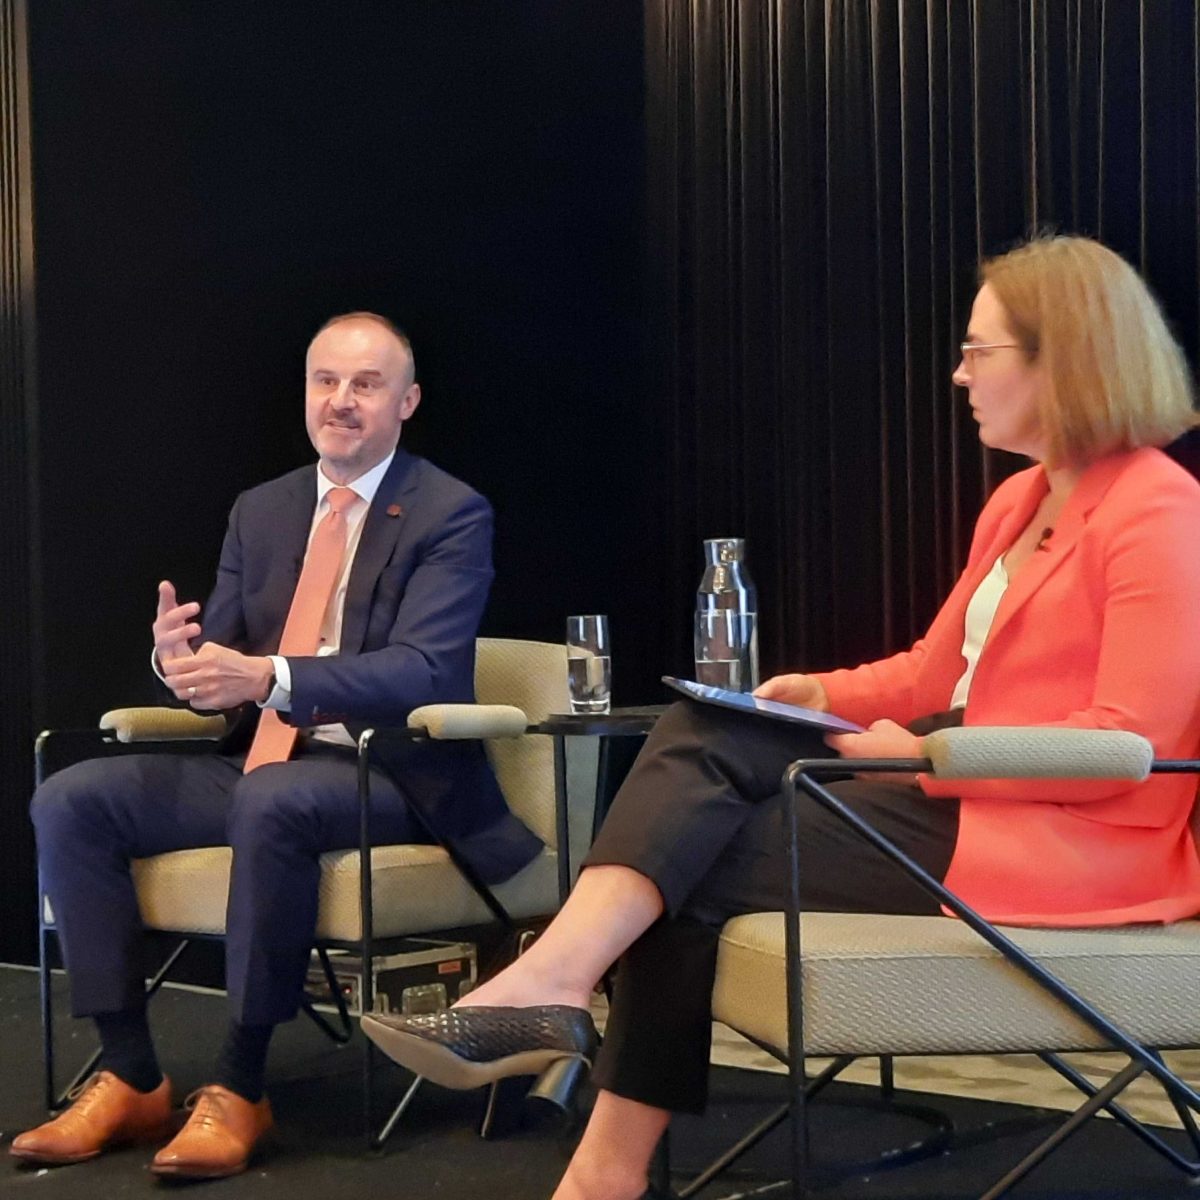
x,y
1043,542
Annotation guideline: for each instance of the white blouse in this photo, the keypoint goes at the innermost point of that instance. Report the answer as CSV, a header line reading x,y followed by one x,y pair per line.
x,y
981,611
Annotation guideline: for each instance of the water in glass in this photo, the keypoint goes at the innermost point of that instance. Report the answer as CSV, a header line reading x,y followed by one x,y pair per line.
x,y
720,672
589,677
720,642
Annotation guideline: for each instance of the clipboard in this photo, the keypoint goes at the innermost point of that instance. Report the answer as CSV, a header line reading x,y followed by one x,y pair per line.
x,y
774,709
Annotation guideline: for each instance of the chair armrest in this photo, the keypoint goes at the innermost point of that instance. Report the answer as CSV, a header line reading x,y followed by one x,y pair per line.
x,y
162,724
1016,752
473,721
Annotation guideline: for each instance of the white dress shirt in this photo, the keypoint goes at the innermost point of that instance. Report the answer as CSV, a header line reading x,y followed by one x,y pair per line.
x,y
981,612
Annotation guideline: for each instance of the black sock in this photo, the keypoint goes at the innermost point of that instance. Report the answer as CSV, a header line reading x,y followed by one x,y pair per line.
x,y
243,1062
127,1050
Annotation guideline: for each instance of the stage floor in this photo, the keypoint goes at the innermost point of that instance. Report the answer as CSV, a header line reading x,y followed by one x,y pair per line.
x,y
316,1150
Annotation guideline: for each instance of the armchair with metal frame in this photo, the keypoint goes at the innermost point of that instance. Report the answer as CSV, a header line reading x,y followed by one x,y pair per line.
x,y
846,986
370,898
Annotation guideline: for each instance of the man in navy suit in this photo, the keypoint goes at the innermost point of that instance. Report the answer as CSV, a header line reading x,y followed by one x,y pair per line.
x,y
398,632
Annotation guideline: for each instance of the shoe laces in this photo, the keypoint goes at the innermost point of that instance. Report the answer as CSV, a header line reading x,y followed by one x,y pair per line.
x,y
208,1108
84,1095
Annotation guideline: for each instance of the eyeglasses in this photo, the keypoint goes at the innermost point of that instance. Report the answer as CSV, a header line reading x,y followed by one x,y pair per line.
x,y
970,349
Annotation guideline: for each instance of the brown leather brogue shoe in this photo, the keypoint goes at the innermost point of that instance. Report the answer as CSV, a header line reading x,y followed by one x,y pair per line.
x,y
218,1138
106,1112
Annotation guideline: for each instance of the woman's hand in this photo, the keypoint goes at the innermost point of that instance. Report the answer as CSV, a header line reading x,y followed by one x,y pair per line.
x,y
804,690
883,739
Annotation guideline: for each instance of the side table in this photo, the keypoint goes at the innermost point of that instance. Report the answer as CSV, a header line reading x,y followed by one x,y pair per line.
x,y
619,722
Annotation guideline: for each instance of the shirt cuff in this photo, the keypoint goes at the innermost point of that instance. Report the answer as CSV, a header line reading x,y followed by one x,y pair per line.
x,y
281,694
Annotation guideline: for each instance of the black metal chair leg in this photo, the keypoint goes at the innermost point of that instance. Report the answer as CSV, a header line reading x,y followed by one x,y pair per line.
x,y
368,1088
1127,1119
367,931
742,1146
152,987
887,1076
1100,1100
562,820
47,1001
660,1169
366,948
502,1109
1187,1118
795,998
390,1124
340,1036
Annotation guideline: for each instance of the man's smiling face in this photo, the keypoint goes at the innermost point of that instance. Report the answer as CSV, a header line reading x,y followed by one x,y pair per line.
x,y
359,390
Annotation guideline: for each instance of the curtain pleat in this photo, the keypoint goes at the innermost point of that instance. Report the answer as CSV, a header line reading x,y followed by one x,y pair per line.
x,y
19,547
824,177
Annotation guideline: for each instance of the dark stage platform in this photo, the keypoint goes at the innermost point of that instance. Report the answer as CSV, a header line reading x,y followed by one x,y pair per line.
x,y
317,1150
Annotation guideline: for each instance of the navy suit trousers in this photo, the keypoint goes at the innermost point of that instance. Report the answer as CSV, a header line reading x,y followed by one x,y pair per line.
x,y
93,818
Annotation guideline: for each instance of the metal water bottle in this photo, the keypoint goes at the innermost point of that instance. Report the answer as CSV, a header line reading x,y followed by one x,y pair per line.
x,y
726,618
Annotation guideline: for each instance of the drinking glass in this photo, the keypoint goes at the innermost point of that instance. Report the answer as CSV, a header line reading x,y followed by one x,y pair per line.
x,y
589,665
720,647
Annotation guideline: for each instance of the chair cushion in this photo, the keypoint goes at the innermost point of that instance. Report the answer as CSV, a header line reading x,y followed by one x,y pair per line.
x,y
929,985
416,889
184,890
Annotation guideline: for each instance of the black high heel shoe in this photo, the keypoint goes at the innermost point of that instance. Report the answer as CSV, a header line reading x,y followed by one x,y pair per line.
x,y
469,1047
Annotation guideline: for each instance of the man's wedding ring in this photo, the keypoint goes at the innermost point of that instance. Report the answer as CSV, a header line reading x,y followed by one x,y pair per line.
x,y
191,691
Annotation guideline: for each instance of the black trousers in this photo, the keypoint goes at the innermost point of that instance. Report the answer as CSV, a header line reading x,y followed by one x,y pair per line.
x,y
93,818
700,815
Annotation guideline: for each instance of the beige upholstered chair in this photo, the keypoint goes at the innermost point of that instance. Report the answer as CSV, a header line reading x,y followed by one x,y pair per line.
x,y
415,889
874,985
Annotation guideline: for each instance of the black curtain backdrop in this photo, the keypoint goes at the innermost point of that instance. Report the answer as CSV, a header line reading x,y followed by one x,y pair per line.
x,y
19,623
211,180
673,271
823,179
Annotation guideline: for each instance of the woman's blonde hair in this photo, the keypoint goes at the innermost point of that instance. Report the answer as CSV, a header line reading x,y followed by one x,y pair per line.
x,y
1115,378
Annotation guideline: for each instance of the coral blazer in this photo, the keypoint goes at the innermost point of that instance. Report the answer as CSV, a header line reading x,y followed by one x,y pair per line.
x,y
1100,630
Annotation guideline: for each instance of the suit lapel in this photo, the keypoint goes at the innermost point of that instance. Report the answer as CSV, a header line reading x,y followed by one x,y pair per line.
x,y
385,521
290,526
1005,533
1089,491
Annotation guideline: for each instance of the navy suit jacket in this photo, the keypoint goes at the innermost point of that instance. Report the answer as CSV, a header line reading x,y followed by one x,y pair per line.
x,y
414,600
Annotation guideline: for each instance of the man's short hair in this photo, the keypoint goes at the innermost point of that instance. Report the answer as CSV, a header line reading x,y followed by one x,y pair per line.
x,y
383,321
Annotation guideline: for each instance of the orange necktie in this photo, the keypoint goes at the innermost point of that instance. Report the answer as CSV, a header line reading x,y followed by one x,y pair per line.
x,y
273,740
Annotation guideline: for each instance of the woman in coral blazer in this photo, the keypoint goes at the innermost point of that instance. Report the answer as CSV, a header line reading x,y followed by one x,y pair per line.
x,y
1079,607
1084,637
